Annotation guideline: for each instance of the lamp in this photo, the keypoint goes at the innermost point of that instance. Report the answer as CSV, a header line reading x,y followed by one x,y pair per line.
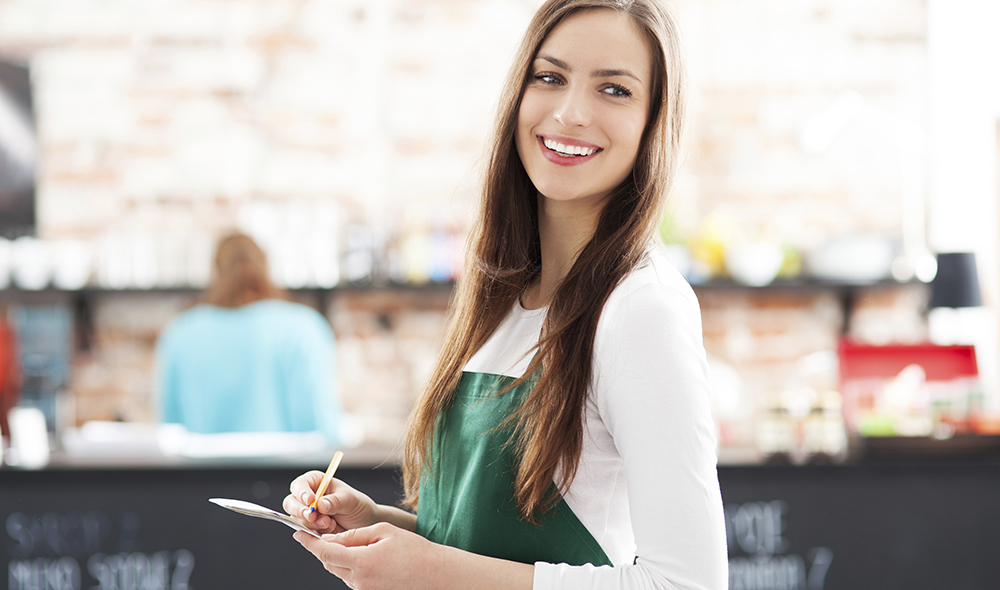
x,y
951,317
957,283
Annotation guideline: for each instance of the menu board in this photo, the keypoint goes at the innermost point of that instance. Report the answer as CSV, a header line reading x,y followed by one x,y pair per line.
x,y
896,524
893,524
156,530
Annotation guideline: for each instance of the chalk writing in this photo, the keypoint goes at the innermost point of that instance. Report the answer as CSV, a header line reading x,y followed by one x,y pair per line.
x,y
44,573
46,552
758,530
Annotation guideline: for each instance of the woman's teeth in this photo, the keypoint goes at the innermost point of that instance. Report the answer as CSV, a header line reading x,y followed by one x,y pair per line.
x,y
568,150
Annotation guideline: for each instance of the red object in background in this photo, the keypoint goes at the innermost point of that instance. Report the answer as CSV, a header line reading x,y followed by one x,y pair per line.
x,y
940,363
865,371
10,374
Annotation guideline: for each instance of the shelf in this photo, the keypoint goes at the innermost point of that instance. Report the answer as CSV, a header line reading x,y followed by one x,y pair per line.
x,y
98,291
795,284
801,284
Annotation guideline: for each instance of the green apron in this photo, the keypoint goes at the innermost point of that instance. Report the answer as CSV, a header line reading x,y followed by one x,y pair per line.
x,y
467,497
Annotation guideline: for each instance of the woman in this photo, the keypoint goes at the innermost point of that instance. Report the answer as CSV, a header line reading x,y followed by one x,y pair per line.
x,y
565,438
245,359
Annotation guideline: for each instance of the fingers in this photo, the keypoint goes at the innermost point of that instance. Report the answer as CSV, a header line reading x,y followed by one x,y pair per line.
x,y
340,508
362,537
303,487
335,558
298,502
334,501
326,550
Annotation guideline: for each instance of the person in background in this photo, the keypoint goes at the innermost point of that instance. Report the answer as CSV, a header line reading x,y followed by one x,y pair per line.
x,y
565,438
245,359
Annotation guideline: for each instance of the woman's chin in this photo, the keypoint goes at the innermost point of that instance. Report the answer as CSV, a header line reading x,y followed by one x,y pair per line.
x,y
563,195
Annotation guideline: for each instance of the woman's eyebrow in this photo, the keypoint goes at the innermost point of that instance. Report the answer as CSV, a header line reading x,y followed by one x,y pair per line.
x,y
613,73
602,73
556,62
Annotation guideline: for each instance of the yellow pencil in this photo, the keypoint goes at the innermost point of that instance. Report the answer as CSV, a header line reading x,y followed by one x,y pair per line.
x,y
334,463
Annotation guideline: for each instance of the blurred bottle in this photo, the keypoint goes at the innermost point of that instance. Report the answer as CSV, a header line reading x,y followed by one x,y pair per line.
x,y
776,437
361,254
824,432
32,263
114,270
29,438
72,264
417,251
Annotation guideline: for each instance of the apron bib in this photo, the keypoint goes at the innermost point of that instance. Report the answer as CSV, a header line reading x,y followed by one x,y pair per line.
x,y
467,497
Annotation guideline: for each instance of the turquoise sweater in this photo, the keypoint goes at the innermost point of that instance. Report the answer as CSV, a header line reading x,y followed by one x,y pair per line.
x,y
264,367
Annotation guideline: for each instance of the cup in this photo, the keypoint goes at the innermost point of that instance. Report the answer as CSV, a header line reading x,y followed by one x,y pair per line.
x,y
29,438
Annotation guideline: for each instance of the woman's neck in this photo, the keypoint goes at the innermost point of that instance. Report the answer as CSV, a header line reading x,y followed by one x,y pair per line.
x,y
564,229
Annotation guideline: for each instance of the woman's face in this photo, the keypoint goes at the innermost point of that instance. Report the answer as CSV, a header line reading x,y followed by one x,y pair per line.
x,y
585,106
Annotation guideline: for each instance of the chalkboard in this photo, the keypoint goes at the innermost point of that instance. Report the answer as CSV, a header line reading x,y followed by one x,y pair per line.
x,y
917,525
931,525
156,530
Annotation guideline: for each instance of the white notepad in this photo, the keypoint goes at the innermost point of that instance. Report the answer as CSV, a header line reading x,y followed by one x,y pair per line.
x,y
251,509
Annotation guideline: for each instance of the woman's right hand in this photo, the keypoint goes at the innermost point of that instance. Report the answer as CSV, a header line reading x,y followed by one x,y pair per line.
x,y
341,508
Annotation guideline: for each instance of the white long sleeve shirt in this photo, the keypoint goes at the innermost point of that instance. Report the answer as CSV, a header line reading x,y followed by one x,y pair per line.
x,y
647,487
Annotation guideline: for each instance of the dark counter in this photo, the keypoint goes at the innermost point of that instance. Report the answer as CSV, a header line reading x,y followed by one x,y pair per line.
x,y
906,523
911,524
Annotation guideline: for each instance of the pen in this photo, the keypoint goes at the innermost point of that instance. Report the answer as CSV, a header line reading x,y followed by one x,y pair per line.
x,y
334,463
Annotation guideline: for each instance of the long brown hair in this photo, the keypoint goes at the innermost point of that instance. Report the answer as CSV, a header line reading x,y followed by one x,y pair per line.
x,y
240,275
504,252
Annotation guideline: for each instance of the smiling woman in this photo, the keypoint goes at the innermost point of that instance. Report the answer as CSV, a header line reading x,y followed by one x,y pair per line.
x,y
564,439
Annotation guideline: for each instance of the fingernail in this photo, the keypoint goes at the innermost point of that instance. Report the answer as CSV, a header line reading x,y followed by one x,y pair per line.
x,y
305,497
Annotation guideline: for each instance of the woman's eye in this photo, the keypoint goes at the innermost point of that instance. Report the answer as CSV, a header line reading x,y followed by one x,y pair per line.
x,y
616,90
545,78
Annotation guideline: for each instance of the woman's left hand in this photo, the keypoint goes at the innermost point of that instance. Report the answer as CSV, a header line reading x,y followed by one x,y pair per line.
x,y
386,557
378,557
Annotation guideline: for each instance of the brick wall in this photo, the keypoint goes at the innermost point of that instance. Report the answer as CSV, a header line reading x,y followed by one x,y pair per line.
x,y
162,124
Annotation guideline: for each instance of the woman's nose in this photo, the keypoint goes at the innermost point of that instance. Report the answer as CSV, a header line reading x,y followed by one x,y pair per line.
x,y
573,109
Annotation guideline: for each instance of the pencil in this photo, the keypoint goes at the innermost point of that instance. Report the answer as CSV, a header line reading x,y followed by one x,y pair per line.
x,y
334,463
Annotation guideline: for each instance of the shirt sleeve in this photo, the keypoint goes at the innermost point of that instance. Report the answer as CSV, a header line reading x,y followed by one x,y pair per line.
x,y
651,383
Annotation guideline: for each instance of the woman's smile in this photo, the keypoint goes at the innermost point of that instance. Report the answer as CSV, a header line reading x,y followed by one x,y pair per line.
x,y
567,152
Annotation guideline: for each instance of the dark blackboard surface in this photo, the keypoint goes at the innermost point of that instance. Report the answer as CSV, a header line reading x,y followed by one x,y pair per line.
x,y
909,524
913,524
155,528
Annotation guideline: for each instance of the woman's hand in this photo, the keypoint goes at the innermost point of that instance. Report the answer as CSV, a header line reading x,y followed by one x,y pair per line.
x,y
378,557
386,557
341,508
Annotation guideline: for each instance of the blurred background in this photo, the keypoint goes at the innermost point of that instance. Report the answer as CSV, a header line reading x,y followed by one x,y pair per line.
x,y
834,149
836,211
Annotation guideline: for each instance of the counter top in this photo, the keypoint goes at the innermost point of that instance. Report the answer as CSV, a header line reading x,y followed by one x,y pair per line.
x,y
356,457
871,450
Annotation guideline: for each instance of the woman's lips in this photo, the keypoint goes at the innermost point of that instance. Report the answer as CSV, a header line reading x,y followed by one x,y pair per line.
x,y
566,153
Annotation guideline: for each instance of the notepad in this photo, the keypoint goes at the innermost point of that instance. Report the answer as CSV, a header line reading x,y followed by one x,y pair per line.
x,y
251,509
